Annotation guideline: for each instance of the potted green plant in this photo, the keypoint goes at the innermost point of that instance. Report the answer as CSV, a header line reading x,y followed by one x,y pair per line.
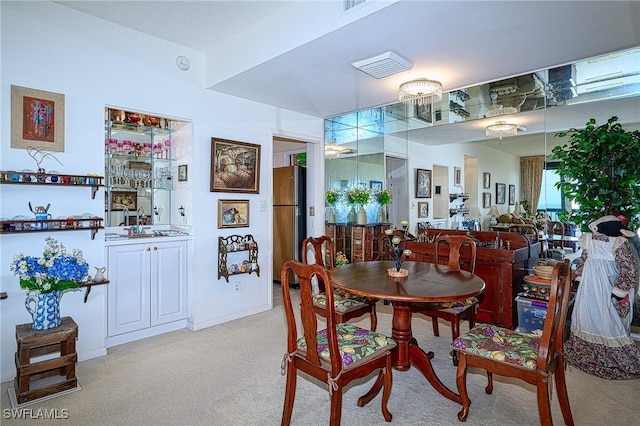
x,y
331,197
600,170
383,197
361,197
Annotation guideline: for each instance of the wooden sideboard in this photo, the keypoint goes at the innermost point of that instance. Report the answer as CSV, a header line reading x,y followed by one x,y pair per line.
x,y
358,242
501,269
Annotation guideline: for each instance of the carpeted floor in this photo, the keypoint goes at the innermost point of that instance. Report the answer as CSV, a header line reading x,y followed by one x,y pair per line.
x,y
230,375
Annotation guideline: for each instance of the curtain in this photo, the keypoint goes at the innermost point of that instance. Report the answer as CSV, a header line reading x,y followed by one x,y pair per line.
x,y
531,172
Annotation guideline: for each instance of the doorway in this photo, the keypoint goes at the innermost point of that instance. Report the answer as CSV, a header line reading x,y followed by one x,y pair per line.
x,y
290,200
396,181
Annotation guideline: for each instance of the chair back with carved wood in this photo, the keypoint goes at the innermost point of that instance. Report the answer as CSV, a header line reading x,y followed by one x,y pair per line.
x,y
347,305
338,354
556,228
528,231
524,356
456,244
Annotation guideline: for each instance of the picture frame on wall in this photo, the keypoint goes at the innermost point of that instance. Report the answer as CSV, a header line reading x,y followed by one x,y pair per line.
x,y
37,119
375,185
121,200
423,183
235,166
233,213
182,173
512,195
501,190
423,209
486,180
457,176
486,200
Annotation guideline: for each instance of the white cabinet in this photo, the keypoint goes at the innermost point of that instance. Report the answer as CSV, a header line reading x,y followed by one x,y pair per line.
x,y
148,285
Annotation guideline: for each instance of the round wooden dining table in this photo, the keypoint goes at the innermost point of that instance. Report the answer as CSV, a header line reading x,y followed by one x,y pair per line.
x,y
426,282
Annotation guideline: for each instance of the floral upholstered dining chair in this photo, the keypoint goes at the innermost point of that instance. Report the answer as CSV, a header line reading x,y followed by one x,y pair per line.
x,y
528,357
337,354
347,305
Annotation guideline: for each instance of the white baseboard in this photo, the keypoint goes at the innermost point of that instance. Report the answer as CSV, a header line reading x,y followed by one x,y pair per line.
x,y
144,333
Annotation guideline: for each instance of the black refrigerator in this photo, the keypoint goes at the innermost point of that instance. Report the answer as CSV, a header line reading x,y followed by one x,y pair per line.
x,y
289,219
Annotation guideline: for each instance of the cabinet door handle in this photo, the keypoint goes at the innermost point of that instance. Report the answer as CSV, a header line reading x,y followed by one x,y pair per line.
x,y
148,248
155,248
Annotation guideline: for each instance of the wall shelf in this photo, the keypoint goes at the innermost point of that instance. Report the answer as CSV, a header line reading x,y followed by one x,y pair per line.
x,y
243,250
89,284
52,225
10,177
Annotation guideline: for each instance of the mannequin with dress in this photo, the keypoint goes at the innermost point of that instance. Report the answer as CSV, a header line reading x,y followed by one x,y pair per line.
x,y
599,342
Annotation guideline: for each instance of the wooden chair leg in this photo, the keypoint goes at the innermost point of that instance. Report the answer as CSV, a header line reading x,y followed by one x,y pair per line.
x,y
563,396
489,387
373,392
455,333
386,392
544,407
336,407
434,323
461,382
374,318
289,395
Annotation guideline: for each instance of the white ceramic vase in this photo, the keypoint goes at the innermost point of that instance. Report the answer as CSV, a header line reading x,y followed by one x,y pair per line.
x,y
331,216
362,216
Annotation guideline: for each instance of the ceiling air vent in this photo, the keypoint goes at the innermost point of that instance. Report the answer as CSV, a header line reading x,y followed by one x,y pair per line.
x,y
348,4
383,65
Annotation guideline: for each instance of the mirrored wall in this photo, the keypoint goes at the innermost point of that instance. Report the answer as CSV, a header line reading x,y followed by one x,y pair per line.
x,y
383,147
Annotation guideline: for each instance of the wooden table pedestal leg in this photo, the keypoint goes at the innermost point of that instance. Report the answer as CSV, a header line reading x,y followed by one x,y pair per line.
x,y
408,352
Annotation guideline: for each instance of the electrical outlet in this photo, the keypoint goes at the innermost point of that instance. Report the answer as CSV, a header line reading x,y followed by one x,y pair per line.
x,y
236,287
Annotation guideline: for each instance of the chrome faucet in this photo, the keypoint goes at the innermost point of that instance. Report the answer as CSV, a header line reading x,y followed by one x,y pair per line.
x,y
139,214
125,213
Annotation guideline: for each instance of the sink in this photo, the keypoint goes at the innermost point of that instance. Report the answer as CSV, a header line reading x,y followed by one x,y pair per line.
x,y
141,236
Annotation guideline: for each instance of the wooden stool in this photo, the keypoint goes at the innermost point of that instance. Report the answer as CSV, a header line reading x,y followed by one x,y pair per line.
x,y
33,343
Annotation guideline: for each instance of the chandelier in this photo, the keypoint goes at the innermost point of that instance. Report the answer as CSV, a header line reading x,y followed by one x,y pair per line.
x,y
420,92
333,151
497,109
501,129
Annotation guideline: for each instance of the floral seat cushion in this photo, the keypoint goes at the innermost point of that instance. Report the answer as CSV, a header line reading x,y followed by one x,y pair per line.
x,y
343,300
501,344
354,343
454,307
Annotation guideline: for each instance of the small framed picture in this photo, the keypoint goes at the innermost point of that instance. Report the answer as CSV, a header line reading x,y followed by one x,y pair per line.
x,y
375,185
457,176
512,195
121,200
423,183
486,200
486,180
233,213
423,209
182,173
501,190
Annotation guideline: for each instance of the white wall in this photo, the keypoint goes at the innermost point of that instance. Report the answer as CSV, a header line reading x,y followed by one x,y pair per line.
x,y
40,49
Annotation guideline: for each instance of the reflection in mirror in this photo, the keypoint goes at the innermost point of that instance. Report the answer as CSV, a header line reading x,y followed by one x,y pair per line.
x,y
452,133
